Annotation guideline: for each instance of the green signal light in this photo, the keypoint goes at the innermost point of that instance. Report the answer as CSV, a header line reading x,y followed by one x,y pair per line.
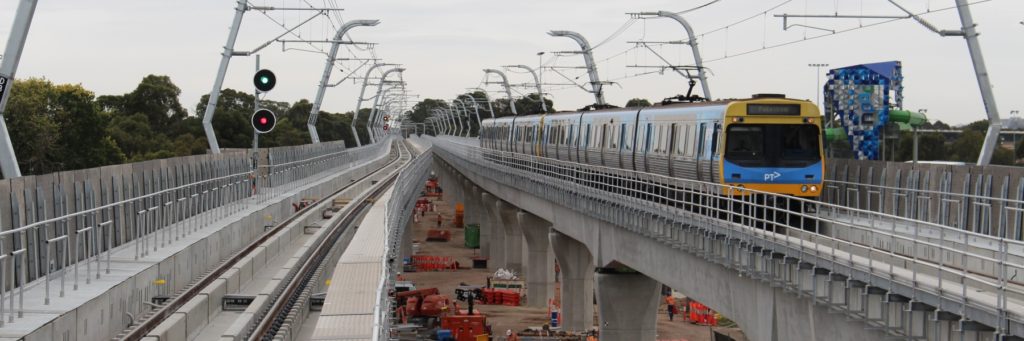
x,y
264,80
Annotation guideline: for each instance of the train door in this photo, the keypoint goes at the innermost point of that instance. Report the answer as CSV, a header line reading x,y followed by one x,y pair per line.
x,y
713,155
672,130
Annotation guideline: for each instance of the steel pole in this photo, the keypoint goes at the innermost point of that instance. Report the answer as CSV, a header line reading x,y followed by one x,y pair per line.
x,y
211,104
984,84
588,57
536,80
488,99
374,121
314,113
376,100
8,67
508,89
359,101
465,113
697,60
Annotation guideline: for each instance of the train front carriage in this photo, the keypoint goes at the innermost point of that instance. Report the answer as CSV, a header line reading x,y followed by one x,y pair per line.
x,y
773,145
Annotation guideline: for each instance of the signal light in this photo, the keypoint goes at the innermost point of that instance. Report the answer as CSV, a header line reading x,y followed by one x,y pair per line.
x,y
264,80
263,121
385,127
386,117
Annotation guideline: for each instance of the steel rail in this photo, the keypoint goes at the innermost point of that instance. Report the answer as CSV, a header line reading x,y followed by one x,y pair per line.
x,y
273,319
177,302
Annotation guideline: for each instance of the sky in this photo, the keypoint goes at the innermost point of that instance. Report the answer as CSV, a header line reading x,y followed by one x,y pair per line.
x,y
109,46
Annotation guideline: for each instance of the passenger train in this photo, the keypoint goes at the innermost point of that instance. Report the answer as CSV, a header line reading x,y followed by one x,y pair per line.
x,y
767,143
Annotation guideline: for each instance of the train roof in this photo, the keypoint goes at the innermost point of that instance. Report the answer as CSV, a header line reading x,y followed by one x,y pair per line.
x,y
659,105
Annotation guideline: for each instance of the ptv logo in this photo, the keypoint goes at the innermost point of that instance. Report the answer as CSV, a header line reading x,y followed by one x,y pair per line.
x,y
770,177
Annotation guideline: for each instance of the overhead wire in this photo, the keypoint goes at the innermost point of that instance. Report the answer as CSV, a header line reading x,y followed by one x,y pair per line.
x,y
712,2
838,32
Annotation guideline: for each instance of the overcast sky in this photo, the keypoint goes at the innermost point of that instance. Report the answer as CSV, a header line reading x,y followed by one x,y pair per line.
x,y
109,46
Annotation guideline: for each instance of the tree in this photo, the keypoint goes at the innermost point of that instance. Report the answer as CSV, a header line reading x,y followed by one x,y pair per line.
x,y
157,97
134,135
967,146
1002,156
930,146
638,102
231,118
530,104
979,126
57,127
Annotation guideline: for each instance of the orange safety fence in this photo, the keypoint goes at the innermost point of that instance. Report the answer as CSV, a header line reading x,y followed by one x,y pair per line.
x,y
702,315
433,263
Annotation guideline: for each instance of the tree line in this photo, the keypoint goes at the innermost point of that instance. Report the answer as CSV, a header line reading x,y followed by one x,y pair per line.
x,y
58,127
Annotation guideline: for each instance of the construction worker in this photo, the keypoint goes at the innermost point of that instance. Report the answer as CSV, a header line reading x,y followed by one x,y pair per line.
x,y
510,336
671,303
591,336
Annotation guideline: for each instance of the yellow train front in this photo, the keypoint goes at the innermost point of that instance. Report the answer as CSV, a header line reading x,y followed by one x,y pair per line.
x,y
773,144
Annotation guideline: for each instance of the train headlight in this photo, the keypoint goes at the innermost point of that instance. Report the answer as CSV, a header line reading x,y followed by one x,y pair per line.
x,y
803,188
814,188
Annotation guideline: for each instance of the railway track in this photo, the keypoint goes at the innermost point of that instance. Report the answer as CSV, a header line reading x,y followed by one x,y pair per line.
x,y
271,318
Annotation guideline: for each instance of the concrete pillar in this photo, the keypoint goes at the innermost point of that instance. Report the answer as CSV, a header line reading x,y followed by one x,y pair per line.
x,y
513,236
628,306
496,232
540,264
577,280
486,220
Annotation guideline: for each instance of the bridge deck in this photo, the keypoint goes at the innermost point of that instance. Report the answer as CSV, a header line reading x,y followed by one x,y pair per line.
x,y
352,297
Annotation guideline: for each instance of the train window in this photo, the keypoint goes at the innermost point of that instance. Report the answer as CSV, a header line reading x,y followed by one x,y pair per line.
x,y
623,134
647,139
773,145
666,139
610,136
684,141
714,138
586,140
700,139
659,142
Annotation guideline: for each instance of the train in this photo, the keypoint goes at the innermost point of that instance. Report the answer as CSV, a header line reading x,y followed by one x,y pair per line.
x,y
766,143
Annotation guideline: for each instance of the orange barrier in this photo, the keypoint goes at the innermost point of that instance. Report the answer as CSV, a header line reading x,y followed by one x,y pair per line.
x,y
433,263
702,315
501,297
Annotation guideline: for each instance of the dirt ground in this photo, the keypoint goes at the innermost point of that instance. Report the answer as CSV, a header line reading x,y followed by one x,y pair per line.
x,y
502,317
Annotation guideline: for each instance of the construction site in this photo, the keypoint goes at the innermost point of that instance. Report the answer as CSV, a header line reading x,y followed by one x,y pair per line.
x,y
447,292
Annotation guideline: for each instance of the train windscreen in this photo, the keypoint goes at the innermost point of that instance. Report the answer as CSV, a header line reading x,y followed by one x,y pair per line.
x,y
772,145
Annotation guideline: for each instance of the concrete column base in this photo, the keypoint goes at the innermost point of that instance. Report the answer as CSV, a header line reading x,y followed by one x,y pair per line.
x,y
628,305
577,281
540,265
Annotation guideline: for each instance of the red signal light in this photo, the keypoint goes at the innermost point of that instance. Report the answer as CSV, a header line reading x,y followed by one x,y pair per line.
x,y
263,121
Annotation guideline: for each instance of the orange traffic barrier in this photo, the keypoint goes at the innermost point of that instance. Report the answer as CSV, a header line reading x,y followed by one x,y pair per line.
x,y
702,315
